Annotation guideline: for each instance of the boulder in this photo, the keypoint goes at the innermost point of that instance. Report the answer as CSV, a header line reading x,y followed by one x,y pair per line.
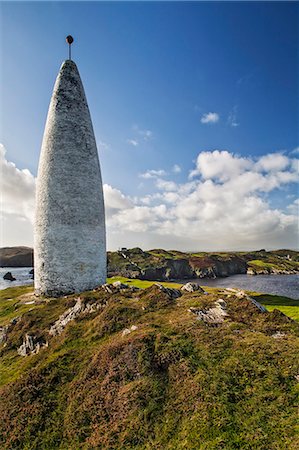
x,y
3,334
213,316
8,276
191,287
119,285
172,293
79,308
31,345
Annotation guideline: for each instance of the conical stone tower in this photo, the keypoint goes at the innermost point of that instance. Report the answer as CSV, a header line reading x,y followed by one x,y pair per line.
x,y
70,244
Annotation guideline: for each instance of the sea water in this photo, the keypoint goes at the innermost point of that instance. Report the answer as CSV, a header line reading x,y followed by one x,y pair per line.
x,y
285,285
21,274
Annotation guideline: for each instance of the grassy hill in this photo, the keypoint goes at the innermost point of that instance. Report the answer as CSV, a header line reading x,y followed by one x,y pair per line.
x,y
148,369
16,257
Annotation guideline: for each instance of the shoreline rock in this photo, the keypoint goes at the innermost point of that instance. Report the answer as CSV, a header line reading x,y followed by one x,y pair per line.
x,y
9,277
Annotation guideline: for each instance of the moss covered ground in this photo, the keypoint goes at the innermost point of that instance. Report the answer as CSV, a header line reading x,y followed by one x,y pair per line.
x,y
174,382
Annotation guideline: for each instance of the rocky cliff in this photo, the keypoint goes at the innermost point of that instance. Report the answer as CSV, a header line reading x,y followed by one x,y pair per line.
x,y
162,265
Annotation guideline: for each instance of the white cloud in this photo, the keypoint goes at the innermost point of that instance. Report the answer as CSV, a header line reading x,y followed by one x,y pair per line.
x,y
147,134
166,185
133,142
272,162
144,134
140,136
224,207
103,145
294,207
17,202
176,168
219,164
152,174
210,117
115,200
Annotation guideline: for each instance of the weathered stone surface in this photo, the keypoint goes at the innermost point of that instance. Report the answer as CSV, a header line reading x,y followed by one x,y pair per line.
x,y
31,345
72,313
279,335
129,330
215,315
119,285
242,294
70,247
3,334
191,287
172,293
9,277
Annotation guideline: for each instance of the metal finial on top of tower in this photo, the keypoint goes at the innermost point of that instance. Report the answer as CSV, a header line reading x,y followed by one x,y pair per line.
x,y
69,39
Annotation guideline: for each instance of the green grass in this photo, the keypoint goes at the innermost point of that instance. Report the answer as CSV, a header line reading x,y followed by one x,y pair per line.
x,y
286,305
262,264
10,304
174,383
143,284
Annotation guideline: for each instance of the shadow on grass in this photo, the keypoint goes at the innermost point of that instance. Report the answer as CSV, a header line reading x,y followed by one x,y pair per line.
x,y
275,300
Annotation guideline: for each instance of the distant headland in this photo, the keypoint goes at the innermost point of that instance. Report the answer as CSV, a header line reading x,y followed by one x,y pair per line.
x,y
159,264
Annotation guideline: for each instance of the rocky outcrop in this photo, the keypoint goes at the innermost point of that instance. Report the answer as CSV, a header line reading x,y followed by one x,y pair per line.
x,y
83,306
3,334
214,316
149,266
270,271
72,313
5,329
242,295
191,287
9,277
170,292
31,345
16,257
213,266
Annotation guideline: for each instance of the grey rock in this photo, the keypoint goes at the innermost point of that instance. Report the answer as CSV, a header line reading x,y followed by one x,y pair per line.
x,y
119,285
72,313
191,287
9,277
278,335
3,334
107,288
129,330
172,293
31,345
242,294
212,316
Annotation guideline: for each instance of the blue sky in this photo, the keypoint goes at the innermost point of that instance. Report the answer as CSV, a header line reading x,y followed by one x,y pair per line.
x,y
153,72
